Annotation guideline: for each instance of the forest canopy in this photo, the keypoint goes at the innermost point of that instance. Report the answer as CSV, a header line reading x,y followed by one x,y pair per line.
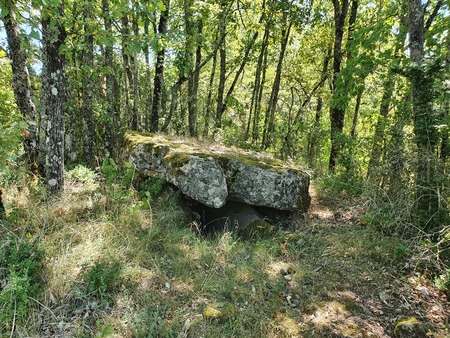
x,y
356,89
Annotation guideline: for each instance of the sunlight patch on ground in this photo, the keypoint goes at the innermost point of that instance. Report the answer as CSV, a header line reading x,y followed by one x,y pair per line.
x,y
285,326
275,269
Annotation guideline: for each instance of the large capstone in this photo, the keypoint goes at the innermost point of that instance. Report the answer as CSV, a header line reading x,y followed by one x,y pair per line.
x,y
203,180
282,190
213,174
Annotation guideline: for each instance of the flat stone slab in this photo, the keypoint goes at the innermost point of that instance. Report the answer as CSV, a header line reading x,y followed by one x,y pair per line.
x,y
213,174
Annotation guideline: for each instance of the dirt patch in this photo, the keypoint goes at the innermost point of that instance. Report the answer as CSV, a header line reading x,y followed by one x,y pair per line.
x,y
355,283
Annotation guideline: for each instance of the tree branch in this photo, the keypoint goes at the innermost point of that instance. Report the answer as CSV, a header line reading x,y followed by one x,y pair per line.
x,y
433,14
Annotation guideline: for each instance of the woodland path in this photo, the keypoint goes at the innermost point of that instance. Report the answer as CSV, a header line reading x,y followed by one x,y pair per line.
x,y
358,284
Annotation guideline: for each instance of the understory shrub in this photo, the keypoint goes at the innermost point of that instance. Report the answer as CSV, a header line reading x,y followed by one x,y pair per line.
x,y
101,279
21,264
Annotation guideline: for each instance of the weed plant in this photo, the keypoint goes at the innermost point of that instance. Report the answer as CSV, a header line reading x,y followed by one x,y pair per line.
x,y
21,264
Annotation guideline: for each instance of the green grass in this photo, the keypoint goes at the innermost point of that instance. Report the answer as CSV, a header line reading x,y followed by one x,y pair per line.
x,y
117,267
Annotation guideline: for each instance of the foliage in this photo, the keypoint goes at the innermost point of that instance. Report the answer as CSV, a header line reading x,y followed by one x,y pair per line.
x,y
343,184
150,188
11,125
101,279
82,174
21,264
443,281
109,169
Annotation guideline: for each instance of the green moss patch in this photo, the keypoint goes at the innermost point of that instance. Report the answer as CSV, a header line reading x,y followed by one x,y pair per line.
x,y
182,148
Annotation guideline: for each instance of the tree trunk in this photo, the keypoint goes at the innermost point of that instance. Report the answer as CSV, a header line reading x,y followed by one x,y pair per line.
x,y
54,91
159,70
135,75
424,122
112,87
148,93
209,104
193,80
313,135
258,99
356,112
269,122
253,114
337,111
222,66
21,84
88,87
237,76
378,137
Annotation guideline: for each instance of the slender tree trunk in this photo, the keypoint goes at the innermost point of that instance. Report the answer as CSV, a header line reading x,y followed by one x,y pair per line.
x,y
127,65
356,113
424,122
337,111
209,104
269,123
112,87
396,152
313,135
195,30
258,99
21,84
159,70
257,83
88,87
444,151
148,93
378,137
313,139
237,75
388,91
135,123
54,90
222,66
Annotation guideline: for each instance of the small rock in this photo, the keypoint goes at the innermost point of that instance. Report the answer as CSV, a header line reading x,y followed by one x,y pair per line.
x,y
286,269
409,327
288,277
295,303
288,299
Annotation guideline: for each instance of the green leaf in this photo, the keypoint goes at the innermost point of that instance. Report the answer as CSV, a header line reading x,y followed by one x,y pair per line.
x,y
34,35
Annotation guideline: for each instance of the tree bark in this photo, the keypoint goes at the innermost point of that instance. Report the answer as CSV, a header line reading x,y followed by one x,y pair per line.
x,y
135,123
337,111
237,76
159,70
269,122
313,135
258,99
222,66
53,38
21,84
424,121
209,104
112,87
88,87
195,30
254,114
356,113
148,93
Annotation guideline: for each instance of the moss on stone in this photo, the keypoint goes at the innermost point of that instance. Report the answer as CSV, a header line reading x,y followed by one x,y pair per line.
x,y
182,148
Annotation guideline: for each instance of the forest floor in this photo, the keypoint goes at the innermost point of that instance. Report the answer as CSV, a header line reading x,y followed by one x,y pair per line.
x,y
115,268
365,284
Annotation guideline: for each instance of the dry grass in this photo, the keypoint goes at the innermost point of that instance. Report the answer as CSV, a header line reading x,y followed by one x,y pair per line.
x,y
324,280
